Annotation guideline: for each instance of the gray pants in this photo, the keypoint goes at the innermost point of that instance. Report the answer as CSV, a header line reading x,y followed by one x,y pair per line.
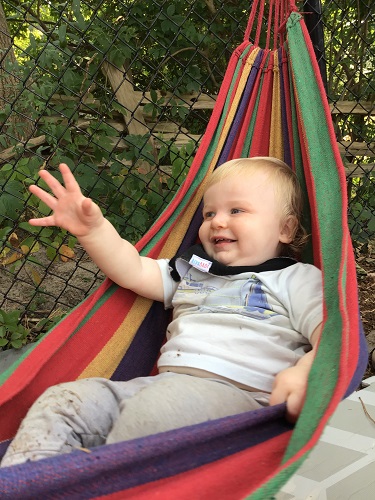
x,y
95,411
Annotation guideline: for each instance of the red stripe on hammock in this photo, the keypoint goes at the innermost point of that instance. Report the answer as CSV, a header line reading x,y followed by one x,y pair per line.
x,y
261,139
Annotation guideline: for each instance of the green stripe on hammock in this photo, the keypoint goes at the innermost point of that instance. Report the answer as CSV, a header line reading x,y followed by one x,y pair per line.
x,y
325,371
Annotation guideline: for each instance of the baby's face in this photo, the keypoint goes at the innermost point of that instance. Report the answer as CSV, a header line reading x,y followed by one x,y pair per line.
x,y
242,221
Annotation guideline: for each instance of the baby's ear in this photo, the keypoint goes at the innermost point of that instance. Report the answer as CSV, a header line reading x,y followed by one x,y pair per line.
x,y
288,228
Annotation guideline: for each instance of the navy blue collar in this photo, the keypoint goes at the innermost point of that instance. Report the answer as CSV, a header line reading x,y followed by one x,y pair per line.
x,y
219,269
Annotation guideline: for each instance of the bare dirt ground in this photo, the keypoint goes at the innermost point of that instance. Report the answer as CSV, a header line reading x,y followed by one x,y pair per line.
x,y
46,288
365,258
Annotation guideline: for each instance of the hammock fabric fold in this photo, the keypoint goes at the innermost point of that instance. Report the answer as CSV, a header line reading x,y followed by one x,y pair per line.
x,y
271,102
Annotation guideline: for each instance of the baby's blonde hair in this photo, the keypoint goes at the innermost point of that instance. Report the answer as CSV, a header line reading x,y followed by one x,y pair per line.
x,y
286,186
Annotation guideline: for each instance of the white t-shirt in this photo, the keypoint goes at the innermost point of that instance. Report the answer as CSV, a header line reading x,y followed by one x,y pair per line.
x,y
245,327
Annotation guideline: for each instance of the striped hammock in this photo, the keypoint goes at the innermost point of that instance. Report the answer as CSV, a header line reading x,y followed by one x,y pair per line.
x,y
271,102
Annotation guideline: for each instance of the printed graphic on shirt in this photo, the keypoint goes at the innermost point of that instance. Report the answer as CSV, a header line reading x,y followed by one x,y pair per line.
x,y
191,286
246,297
256,303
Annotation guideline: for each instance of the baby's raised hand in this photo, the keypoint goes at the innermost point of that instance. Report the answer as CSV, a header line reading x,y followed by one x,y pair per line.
x,y
71,210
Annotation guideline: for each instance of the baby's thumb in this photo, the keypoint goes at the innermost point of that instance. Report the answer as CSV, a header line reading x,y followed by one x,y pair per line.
x,y
89,208
294,405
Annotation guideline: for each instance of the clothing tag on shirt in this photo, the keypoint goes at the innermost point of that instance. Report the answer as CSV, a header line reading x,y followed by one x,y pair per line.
x,y
199,263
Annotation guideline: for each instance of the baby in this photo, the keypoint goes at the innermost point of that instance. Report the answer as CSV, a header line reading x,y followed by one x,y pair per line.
x,y
246,315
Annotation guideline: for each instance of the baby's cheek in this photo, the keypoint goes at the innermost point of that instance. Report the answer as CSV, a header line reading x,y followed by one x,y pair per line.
x,y
203,234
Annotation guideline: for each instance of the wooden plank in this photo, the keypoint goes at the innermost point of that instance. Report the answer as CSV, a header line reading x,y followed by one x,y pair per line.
x,y
9,153
357,148
360,170
179,139
168,127
353,108
193,101
207,101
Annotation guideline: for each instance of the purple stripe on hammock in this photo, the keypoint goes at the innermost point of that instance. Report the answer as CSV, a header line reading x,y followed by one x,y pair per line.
x,y
114,468
143,352
284,121
3,446
241,110
361,364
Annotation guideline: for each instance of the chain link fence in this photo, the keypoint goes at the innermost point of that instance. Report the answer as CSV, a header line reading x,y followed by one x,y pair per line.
x,y
122,92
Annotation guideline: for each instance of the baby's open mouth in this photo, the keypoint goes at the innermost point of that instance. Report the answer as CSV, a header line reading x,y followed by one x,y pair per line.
x,y
222,240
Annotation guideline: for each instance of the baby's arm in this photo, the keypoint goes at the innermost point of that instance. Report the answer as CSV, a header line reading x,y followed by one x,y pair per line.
x,y
116,257
290,384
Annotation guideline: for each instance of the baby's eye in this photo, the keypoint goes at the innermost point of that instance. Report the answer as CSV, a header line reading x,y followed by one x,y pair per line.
x,y
236,211
208,215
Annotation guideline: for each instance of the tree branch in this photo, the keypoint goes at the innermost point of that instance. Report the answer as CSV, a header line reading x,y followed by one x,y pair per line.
x,y
29,10
211,7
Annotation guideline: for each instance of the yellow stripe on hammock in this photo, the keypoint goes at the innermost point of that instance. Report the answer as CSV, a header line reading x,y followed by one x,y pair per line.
x,y
107,360
236,101
276,148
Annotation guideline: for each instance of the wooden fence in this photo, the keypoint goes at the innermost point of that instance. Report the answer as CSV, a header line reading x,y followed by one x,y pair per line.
x,y
138,121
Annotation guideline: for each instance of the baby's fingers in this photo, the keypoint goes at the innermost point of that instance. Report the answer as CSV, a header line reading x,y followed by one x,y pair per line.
x,y
48,199
55,186
44,221
70,182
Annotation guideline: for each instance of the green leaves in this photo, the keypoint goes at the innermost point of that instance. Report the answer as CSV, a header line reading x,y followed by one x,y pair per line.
x,y
362,210
76,8
11,200
62,35
12,333
170,20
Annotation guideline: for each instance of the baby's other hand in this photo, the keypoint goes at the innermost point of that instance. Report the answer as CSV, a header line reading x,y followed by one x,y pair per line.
x,y
290,387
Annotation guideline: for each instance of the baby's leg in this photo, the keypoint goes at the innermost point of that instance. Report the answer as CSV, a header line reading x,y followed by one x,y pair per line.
x,y
176,401
66,416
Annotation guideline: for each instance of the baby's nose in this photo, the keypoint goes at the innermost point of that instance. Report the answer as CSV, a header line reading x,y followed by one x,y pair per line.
x,y
220,220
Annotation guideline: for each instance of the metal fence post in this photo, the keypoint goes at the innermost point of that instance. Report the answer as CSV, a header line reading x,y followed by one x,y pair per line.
x,y
313,20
